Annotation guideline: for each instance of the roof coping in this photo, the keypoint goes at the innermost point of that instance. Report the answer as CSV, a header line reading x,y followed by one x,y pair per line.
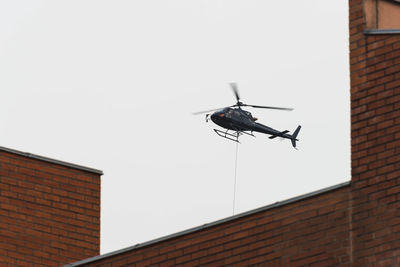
x,y
381,31
208,225
50,160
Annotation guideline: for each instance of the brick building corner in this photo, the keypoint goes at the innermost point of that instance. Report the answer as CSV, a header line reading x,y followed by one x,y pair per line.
x,y
49,210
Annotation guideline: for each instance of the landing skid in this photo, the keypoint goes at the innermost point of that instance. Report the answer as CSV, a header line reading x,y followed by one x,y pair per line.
x,y
232,136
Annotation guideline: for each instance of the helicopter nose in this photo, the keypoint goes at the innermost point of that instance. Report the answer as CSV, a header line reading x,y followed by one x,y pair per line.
x,y
214,116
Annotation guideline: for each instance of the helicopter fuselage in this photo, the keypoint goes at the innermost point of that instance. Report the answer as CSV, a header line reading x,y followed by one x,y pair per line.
x,y
240,120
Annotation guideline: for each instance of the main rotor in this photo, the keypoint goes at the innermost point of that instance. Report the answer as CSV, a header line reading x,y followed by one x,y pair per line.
x,y
240,104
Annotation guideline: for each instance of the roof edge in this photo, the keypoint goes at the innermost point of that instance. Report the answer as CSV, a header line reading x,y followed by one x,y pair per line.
x,y
208,225
50,160
381,31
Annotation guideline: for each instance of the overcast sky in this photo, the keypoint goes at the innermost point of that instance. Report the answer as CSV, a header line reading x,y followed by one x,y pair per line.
x,y
112,85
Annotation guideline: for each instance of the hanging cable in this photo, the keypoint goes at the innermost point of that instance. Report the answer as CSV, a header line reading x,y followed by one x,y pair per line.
x,y
234,184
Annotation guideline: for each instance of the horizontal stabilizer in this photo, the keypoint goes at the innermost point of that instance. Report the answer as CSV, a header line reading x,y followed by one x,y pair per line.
x,y
280,134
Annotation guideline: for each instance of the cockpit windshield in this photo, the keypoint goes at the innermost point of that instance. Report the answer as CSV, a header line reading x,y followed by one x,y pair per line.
x,y
236,113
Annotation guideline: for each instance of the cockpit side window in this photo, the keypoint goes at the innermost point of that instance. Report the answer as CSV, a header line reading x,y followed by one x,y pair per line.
x,y
237,113
228,113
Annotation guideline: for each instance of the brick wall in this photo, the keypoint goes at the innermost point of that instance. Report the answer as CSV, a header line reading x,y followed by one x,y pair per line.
x,y
375,120
49,212
313,231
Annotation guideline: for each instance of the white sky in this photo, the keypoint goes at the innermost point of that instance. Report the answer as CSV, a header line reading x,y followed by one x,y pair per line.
x,y
112,85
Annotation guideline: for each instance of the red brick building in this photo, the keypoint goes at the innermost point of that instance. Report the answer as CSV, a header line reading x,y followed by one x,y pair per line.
x,y
351,224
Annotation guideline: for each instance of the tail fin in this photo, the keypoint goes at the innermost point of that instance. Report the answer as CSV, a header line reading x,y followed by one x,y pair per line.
x,y
294,136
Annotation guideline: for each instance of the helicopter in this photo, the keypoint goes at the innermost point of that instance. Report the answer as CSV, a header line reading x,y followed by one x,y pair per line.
x,y
238,121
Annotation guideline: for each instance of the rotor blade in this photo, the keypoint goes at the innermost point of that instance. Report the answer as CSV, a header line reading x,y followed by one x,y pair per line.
x,y
254,106
205,111
235,90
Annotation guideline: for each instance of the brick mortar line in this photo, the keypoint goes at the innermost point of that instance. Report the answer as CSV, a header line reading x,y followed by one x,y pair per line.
x,y
57,188
55,208
365,58
55,234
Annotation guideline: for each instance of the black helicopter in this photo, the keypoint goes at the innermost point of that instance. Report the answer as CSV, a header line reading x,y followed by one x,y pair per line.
x,y
242,122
